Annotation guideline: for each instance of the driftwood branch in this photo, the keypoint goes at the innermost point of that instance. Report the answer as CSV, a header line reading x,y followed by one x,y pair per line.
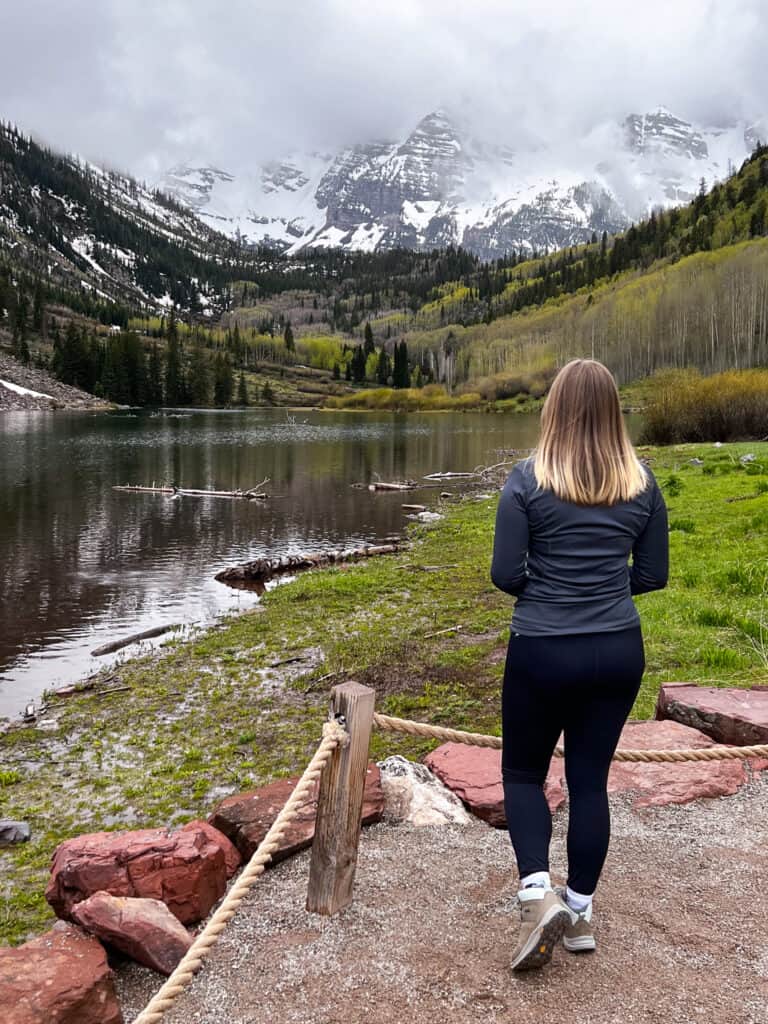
x,y
265,568
440,632
381,485
146,634
251,494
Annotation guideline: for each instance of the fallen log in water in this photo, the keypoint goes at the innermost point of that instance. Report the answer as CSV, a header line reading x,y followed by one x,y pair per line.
x,y
252,494
146,634
449,476
381,485
265,568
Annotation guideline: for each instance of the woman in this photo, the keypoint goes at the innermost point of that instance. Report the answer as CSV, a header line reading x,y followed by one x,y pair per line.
x,y
568,519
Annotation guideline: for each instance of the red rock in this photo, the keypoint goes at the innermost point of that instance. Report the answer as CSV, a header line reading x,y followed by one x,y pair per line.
x,y
61,977
186,870
474,775
143,929
232,858
733,716
659,784
245,818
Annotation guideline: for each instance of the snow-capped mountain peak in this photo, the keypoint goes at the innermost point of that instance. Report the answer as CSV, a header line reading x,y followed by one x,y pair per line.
x,y
439,185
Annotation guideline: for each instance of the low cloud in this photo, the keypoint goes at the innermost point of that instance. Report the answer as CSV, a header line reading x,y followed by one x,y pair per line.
x,y
143,85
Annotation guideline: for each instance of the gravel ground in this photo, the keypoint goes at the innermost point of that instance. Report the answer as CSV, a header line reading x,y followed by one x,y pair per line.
x,y
680,920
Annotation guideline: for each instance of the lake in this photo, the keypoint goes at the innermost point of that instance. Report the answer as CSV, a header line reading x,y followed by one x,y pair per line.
x,y
82,564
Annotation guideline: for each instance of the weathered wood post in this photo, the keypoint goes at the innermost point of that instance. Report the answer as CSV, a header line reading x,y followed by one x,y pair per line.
x,y
340,804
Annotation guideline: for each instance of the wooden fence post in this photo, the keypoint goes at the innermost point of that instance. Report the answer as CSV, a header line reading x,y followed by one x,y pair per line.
x,y
340,804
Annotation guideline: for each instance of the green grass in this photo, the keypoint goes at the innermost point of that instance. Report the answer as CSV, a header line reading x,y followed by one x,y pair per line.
x,y
200,715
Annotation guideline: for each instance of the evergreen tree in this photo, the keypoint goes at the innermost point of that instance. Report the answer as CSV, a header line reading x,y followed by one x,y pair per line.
x,y
174,377
358,365
199,378
242,390
155,377
384,368
401,375
223,384
38,308
290,343
267,395
368,345
336,371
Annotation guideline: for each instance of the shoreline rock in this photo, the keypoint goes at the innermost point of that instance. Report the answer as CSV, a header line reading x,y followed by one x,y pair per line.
x,y
245,818
474,775
61,976
729,715
186,870
143,929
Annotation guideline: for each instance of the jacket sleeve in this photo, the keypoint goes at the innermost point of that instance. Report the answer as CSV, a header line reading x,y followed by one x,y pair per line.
x,y
510,540
650,553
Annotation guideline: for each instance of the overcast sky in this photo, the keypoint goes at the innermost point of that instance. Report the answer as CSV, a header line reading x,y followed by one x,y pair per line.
x,y
142,84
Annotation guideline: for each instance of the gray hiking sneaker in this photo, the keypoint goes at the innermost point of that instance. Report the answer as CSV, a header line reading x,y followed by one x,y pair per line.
x,y
578,936
543,920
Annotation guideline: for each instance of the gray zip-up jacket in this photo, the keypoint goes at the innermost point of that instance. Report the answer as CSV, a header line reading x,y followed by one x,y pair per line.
x,y
568,564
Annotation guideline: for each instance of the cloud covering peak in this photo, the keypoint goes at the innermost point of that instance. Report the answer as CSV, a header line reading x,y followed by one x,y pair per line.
x,y
141,85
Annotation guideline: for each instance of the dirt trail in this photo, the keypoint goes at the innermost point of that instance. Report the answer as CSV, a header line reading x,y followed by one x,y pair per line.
x,y
682,922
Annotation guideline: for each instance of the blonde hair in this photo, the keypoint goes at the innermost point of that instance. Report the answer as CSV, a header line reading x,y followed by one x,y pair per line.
x,y
584,453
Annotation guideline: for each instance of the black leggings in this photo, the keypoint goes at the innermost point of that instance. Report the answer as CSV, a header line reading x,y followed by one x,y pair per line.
x,y
583,685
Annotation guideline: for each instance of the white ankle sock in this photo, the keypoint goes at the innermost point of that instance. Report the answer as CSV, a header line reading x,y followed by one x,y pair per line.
x,y
540,879
577,901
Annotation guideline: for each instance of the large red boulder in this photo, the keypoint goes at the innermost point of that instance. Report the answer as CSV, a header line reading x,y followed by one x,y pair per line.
x,y
143,929
733,716
663,783
474,775
186,870
61,977
247,817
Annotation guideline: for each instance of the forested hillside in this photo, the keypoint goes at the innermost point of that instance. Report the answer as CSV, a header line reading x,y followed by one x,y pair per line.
x,y
121,292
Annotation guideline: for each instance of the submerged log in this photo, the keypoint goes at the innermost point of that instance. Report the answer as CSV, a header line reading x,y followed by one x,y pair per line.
x,y
265,568
146,634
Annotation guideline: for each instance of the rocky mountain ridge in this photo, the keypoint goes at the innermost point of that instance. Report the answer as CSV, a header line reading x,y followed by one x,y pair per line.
x,y
440,185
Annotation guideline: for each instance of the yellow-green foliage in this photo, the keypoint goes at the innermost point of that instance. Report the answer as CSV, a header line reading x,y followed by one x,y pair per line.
x,y
708,310
320,352
432,398
724,407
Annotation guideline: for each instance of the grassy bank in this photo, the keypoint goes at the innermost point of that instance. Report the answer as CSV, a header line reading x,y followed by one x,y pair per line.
x,y
214,714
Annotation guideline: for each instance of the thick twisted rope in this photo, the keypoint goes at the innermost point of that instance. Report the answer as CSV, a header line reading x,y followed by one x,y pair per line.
x,y
334,735
476,739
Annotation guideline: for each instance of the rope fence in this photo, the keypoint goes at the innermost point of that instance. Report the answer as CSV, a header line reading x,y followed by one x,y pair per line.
x,y
334,735
476,739
345,741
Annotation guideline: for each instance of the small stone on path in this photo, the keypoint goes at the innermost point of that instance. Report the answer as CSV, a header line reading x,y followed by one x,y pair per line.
x,y
13,832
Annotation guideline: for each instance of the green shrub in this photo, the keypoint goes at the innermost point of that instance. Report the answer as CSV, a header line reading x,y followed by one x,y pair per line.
x,y
724,407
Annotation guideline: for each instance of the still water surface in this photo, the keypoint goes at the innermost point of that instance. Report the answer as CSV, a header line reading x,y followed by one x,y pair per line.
x,y
82,564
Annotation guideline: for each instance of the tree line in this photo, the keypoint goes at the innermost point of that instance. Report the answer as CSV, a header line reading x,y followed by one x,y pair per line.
x,y
122,369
